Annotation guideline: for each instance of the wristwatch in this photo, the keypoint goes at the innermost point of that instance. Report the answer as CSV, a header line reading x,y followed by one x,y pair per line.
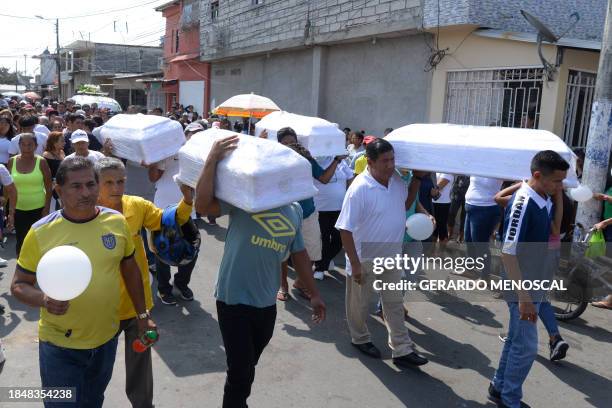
x,y
144,315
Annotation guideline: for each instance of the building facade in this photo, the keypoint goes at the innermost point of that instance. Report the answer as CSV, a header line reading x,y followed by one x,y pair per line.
x,y
373,64
84,62
355,63
186,78
490,72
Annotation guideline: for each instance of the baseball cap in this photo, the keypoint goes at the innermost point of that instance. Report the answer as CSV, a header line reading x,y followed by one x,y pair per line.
x,y
369,139
80,112
194,127
79,136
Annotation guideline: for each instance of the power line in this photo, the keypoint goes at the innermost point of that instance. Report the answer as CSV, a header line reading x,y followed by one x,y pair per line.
x,y
98,13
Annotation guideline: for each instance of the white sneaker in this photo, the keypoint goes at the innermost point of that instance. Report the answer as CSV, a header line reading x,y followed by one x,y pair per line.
x,y
319,275
3,262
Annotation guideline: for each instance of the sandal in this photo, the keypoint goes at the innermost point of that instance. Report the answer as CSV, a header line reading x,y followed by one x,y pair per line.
x,y
282,296
303,292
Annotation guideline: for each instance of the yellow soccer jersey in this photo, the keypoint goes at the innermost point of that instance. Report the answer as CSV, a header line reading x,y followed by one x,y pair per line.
x,y
93,317
141,213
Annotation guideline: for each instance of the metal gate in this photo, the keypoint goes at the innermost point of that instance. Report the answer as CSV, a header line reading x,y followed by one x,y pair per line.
x,y
499,97
578,104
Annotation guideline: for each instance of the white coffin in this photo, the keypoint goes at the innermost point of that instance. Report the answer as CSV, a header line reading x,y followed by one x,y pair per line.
x,y
503,153
147,138
320,137
257,176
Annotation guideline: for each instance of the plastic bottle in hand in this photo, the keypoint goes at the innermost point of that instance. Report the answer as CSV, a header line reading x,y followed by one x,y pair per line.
x,y
145,341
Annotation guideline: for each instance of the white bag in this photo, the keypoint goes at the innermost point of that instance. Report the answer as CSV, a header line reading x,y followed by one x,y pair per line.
x,y
259,175
497,152
320,137
143,138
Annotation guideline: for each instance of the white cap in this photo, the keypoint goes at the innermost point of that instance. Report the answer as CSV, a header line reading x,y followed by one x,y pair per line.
x,y
79,136
194,127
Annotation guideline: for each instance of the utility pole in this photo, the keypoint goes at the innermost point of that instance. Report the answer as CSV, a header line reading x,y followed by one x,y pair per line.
x,y
600,131
57,61
16,77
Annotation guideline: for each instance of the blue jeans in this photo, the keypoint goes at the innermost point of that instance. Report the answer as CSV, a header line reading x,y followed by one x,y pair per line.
x,y
89,371
479,225
519,353
546,313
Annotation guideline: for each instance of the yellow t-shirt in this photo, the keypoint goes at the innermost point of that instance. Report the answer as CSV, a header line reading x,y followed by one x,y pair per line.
x,y
360,164
92,318
141,213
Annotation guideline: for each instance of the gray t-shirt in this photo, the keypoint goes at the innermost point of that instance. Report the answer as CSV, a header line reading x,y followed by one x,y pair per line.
x,y
255,246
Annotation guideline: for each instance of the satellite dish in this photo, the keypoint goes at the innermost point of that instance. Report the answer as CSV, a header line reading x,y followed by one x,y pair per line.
x,y
543,31
545,34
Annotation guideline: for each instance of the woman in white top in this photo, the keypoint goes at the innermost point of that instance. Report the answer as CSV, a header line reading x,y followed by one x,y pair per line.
x,y
6,133
441,206
328,203
482,216
356,145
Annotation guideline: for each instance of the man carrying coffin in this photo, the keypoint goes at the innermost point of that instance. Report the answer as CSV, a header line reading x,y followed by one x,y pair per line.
x,y
249,275
371,225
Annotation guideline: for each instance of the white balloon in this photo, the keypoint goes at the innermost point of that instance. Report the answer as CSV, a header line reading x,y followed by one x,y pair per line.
x,y
419,226
581,193
64,272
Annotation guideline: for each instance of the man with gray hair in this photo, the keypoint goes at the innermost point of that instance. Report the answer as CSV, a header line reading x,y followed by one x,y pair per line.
x,y
140,214
43,125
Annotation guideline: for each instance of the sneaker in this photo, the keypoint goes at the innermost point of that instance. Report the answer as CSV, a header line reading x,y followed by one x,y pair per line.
x,y
185,293
167,298
503,337
558,349
3,262
494,395
319,275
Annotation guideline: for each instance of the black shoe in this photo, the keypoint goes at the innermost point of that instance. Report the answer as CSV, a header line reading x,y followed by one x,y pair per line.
x,y
410,360
167,298
186,293
368,349
558,349
494,395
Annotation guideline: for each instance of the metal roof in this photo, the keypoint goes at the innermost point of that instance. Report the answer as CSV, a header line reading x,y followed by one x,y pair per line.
x,y
532,38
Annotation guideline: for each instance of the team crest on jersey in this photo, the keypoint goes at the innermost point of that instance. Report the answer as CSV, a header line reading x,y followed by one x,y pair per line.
x,y
109,241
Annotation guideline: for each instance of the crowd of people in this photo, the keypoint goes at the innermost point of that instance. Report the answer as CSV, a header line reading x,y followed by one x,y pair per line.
x,y
62,185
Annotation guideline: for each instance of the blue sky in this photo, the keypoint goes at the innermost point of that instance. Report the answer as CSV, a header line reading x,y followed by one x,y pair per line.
x,y
139,25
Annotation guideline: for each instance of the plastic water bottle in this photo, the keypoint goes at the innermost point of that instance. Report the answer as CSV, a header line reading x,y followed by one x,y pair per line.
x,y
145,341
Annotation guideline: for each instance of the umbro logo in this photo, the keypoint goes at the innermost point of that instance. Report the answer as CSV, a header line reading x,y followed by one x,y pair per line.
x,y
275,224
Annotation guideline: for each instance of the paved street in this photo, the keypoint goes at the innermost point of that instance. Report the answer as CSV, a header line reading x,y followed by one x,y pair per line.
x,y
312,366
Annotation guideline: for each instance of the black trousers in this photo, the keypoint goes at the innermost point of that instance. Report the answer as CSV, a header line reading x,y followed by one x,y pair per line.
x,y
23,222
330,239
181,278
138,368
441,215
246,331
